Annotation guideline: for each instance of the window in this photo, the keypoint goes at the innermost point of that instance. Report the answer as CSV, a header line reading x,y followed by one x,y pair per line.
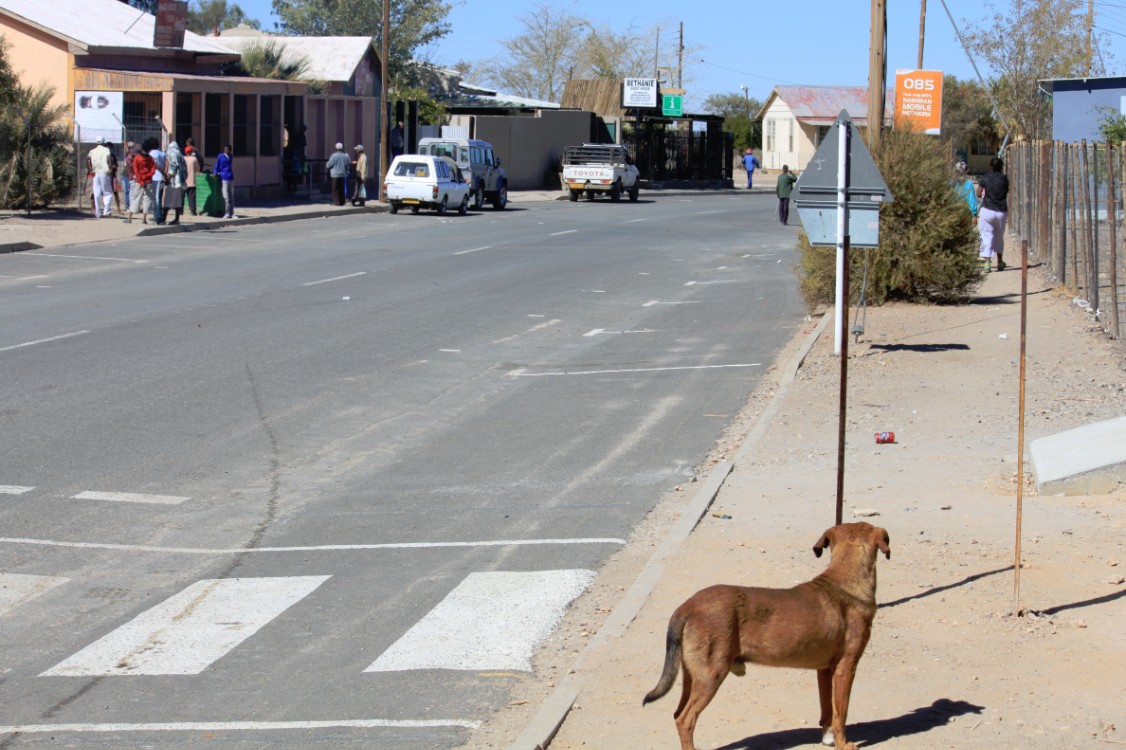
x,y
770,134
269,125
475,156
244,126
412,169
791,124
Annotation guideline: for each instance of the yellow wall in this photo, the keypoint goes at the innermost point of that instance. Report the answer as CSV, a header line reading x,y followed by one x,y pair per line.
x,y
37,59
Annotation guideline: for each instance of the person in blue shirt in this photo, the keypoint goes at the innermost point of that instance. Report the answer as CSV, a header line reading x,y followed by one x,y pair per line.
x,y
161,161
964,188
225,170
750,163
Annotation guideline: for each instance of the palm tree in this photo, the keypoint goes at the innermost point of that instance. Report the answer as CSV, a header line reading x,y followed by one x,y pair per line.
x,y
268,59
30,126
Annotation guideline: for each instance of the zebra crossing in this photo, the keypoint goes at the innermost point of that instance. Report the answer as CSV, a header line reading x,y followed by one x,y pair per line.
x,y
489,621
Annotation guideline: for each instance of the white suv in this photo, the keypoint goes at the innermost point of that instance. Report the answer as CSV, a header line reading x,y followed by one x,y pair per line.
x,y
487,181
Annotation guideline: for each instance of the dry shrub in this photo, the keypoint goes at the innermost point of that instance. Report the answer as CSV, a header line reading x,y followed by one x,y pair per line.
x,y
928,244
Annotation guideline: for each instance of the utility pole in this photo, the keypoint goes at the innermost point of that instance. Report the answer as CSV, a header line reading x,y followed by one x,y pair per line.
x,y
877,72
680,59
1090,33
922,31
657,56
383,111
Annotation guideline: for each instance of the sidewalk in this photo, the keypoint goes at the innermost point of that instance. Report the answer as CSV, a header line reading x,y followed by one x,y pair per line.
x,y
948,665
58,227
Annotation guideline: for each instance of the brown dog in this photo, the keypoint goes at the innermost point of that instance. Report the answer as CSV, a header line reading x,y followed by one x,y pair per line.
x,y
823,624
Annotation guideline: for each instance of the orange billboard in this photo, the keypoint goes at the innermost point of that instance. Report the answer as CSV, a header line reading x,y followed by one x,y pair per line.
x,y
918,98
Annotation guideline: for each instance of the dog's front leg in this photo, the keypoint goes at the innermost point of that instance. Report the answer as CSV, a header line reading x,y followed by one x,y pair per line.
x,y
825,692
843,676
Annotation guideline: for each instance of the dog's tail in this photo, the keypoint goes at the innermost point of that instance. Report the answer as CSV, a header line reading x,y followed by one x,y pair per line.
x,y
672,659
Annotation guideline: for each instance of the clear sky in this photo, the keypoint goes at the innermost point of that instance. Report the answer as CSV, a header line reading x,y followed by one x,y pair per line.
x,y
755,44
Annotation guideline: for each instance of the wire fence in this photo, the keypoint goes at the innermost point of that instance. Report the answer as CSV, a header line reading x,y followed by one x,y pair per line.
x,y
1066,199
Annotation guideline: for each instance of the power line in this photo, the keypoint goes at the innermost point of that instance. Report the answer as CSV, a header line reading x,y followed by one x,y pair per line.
x,y
745,73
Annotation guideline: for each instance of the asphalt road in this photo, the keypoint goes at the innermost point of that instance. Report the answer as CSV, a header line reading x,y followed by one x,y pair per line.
x,y
328,483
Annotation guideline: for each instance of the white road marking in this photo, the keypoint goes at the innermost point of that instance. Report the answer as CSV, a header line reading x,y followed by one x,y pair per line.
x,y
234,726
450,351
11,489
690,283
533,315
335,278
701,213
633,221
639,369
593,332
533,329
490,621
130,497
652,302
598,331
16,589
190,630
42,341
566,231
474,250
84,257
312,548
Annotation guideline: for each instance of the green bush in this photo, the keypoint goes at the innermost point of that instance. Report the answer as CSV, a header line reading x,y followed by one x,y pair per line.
x,y
928,244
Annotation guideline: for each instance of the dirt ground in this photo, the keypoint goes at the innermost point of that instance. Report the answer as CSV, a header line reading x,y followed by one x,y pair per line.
x,y
949,665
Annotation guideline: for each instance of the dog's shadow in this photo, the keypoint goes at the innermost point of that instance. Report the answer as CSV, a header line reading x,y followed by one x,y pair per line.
x,y
866,733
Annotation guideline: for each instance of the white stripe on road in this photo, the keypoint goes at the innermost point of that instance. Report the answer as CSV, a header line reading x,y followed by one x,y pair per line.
x,y
593,332
84,257
235,726
130,497
490,621
16,589
314,548
634,221
11,489
474,250
42,341
701,213
189,631
335,278
639,369
652,302
566,231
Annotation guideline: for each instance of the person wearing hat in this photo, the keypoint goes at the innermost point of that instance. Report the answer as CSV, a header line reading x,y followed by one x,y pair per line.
x,y
338,166
750,163
100,164
360,194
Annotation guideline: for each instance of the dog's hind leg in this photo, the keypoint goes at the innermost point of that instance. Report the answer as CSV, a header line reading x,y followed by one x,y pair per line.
x,y
697,694
825,692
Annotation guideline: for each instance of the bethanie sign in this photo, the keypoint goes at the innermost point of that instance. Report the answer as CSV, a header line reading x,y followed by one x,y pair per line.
x,y
639,92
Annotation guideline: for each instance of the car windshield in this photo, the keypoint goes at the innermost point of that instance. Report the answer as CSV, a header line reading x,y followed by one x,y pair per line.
x,y
412,169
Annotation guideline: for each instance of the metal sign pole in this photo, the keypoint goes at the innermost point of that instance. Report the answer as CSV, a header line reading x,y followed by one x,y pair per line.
x,y
841,329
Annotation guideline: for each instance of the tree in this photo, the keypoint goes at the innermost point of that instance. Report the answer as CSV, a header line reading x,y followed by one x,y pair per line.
x,y
414,24
738,110
540,60
31,115
267,59
209,15
967,114
1032,41
149,6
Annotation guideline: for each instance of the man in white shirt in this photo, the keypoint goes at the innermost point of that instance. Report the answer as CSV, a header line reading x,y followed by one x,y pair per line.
x,y
100,163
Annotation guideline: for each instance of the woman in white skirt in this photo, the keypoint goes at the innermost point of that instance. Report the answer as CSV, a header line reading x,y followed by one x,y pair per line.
x,y
993,192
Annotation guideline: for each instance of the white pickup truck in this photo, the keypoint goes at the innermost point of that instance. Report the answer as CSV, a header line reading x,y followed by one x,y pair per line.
x,y
596,168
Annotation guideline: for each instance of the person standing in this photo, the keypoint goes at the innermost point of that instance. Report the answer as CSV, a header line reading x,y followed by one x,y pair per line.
x,y
161,160
225,171
100,165
993,190
360,194
965,189
398,139
338,166
131,151
141,193
750,163
174,181
784,187
191,169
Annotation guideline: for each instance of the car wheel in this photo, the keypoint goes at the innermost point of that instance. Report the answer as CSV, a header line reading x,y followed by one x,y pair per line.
x,y
574,195
463,207
633,193
444,206
394,207
616,192
414,209
501,198
478,196
590,194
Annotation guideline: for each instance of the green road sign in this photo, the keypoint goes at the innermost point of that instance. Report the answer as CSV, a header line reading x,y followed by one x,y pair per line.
x,y
672,105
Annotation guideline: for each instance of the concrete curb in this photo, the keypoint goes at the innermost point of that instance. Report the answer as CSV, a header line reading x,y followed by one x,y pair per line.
x,y
539,732
251,220
19,247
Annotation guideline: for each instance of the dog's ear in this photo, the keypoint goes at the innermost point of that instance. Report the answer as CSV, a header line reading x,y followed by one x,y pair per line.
x,y
883,541
824,542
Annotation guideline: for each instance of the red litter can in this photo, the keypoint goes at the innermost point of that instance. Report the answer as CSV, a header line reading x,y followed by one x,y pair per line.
x,y
885,437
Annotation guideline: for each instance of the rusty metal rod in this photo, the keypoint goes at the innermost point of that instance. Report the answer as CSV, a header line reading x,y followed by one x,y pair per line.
x,y
1020,421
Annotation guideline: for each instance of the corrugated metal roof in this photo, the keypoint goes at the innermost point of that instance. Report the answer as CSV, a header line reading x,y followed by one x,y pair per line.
x,y
331,58
822,104
99,23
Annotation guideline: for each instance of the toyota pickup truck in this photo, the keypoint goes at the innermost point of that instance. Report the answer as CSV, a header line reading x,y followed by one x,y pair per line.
x,y
595,168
